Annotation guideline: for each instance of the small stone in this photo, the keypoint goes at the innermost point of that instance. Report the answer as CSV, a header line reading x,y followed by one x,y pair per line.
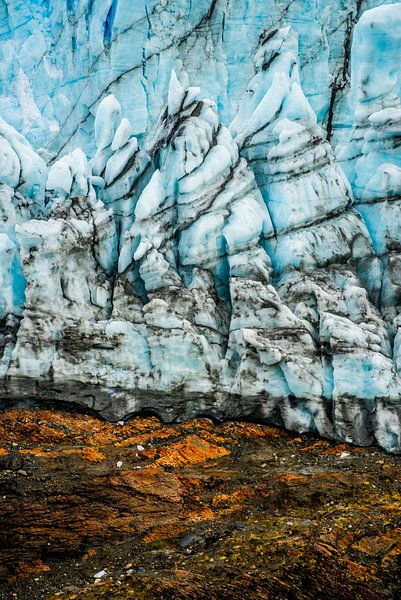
x,y
22,472
189,539
119,464
121,423
100,574
140,448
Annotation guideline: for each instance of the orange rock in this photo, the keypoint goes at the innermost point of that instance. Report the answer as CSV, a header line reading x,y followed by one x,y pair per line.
x,y
167,532
322,481
374,544
253,430
51,427
150,481
337,450
212,437
93,455
244,494
24,570
90,454
292,479
319,444
144,438
357,570
198,424
143,423
89,553
203,514
44,453
191,450
150,453
325,549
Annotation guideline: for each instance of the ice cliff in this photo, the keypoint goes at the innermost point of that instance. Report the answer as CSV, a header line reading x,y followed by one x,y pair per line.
x,y
231,249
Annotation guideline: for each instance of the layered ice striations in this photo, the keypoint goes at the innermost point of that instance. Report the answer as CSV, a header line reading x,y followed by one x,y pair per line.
x,y
321,251
193,266
60,59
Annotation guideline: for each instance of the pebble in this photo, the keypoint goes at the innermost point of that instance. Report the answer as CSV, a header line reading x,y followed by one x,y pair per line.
x,y
100,574
22,472
190,539
119,464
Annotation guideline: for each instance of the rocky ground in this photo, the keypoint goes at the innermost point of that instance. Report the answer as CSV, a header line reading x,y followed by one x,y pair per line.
x,y
142,510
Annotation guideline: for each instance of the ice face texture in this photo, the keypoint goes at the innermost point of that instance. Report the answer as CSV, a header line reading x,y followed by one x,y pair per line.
x,y
231,249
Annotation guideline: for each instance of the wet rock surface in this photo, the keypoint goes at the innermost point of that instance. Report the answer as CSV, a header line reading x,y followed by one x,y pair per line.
x,y
139,509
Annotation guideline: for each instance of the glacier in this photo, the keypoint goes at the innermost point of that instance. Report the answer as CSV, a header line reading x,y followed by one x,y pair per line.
x,y
201,211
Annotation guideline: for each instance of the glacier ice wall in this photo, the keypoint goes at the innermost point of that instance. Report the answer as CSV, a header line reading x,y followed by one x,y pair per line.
x,y
231,249
58,60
